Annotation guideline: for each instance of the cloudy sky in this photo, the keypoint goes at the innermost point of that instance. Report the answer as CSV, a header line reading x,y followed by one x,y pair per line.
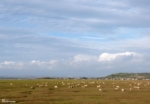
x,y
74,38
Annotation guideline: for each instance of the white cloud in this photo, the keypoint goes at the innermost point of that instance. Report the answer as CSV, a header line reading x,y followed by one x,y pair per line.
x,y
83,57
12,65
7,63
110,57
34,64
53,62
69,16
37,62
43,64
84,63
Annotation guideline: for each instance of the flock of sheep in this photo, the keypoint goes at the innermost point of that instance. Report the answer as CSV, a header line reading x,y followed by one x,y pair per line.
x,y
100,85
103,85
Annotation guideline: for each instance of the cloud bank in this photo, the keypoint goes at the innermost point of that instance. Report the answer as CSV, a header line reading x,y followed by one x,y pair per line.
x,y
106,62
110,57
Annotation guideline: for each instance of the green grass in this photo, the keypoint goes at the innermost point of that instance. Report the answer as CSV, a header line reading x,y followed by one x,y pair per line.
x,y
23,94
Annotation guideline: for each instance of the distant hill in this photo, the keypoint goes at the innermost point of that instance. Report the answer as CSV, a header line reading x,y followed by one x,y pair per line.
x,y
130,75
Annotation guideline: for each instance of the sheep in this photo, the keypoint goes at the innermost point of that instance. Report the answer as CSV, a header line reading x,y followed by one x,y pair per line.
x,y
78,84
40,85
117,86
137,87
100,90
123,90
116,89
71,86
32,87
63,83
138,84
55,86
130,89
82,86
98,86
85,85
92,82
11,83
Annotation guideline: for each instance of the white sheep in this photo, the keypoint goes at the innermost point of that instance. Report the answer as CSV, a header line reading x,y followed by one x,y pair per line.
x,y
123,90
98,86
116,89
117,86
137,87
85,85
100,90
55,86
32,87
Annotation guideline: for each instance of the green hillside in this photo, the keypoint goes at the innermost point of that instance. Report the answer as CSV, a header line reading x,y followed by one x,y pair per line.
x,y
130,75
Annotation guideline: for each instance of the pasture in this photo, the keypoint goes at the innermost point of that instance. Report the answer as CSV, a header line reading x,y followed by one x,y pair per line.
x,y
71,91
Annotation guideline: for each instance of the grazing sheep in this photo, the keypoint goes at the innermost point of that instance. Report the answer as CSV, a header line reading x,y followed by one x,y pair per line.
x,y
137,87
40,85
138,84
11,84
63,83
71,86
130,89
116,89
85,85
100,90
98,86
32,87
123,90
55,86
92,82
117,86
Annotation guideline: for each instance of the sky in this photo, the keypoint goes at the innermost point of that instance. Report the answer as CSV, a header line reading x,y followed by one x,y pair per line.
x,y
74,38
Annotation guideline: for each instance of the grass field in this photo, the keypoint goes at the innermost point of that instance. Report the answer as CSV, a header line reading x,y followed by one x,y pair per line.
x,y
42,91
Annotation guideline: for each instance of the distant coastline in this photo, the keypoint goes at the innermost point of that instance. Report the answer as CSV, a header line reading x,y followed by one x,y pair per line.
x,y
115,76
